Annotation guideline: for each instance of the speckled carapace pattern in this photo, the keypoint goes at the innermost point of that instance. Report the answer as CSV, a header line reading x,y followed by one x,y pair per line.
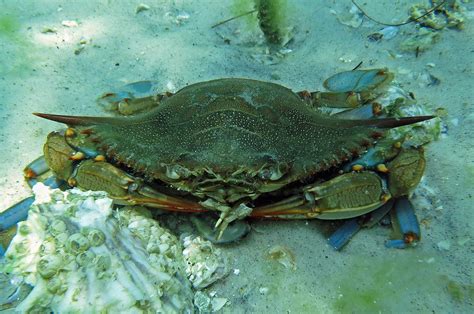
x,y
227,124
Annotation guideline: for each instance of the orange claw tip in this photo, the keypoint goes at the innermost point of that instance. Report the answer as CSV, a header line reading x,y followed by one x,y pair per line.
x,y
29,173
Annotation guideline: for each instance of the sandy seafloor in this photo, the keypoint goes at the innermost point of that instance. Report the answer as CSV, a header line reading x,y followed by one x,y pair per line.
x,y
39,72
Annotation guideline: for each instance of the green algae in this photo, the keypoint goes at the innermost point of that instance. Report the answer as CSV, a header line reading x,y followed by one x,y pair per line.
x,y
16,45
285,290
272,19
9,25
270,16
239,7
460,293
389,283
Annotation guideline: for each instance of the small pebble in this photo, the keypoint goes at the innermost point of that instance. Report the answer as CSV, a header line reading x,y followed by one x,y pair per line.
x,y
275,76
463,241
142,7
218,303
68,23
444,245
49,30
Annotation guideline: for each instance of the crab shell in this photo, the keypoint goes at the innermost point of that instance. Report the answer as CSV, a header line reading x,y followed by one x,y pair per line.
x,y
231,139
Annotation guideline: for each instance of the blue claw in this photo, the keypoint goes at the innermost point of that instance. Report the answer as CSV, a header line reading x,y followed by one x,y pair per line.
x,y
51,181
395,244
405,222
88,151
36,167
130,91
19,211
16,213
358,80
368,160
342,235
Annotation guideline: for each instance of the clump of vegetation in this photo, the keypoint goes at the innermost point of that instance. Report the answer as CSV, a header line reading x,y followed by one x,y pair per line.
x,y
269,15
272,20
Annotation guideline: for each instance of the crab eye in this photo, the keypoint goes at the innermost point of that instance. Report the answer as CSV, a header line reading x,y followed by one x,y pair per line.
x,y
172,173
265,174
176,172
272,174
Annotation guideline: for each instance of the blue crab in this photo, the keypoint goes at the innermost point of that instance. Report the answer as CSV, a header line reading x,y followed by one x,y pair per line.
x,y
242,148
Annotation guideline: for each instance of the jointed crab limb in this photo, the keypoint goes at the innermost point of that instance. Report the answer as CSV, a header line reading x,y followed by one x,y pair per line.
x,y
16,213
133,98
343,234
228,214
34,172
406,170
350,89
348,195
36,168
8,220
368,111
224,142
405,225
125,189
97,174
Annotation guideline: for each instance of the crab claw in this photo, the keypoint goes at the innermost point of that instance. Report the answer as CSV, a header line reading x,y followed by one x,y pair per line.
x,y
16,213
36,168
405,223
343,234
351,89
132,98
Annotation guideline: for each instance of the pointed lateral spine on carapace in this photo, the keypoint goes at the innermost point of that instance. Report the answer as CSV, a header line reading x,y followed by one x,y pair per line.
x,y
79,120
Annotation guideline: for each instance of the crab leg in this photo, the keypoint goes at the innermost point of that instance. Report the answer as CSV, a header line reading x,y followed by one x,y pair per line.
x,y
346,196
350,89
98,175
125,189
8,220
133,98
19,212
344,233
15,213
36,168
405,223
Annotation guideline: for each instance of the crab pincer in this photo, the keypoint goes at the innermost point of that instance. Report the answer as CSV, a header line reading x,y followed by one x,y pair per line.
x,y
405,225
